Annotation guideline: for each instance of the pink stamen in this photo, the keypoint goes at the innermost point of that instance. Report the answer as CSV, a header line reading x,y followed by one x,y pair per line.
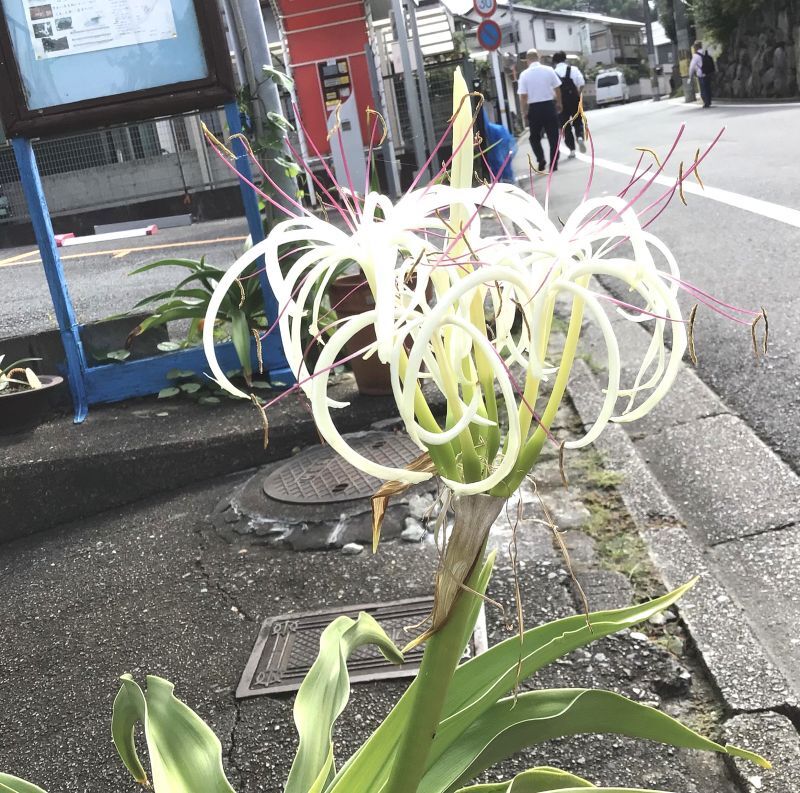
x,y
325,166
263,172
324,190
689,287
370,155
244,179
353,194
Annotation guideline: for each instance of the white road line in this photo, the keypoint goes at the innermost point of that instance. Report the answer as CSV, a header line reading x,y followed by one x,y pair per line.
x,y
764,208
733,105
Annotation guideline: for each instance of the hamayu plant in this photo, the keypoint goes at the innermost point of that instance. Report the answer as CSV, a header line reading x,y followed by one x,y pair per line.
x,y
18,377
491,316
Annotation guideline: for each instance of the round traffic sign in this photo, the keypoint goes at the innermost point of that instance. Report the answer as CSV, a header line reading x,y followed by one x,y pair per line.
x,y
485,7
489,36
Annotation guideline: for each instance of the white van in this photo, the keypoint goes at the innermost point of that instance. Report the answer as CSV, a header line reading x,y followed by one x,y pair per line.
x,y
610,86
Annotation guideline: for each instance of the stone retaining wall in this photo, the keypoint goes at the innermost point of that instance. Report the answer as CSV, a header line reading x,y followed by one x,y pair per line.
x,y
762,57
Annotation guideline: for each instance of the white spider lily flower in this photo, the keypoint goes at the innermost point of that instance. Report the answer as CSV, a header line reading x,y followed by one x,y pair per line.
x,y
467,306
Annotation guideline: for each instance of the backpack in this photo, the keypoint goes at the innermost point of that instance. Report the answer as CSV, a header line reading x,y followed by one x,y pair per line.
x,y
708,64
570,96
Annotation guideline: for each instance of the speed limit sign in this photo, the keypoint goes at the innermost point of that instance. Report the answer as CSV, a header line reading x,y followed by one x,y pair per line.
x,y
485,7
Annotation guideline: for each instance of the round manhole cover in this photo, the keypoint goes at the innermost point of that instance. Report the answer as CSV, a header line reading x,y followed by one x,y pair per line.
x,y
320,475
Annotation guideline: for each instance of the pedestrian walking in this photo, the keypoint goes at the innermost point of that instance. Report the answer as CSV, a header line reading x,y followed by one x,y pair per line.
x,y
703,66
572,82
539,89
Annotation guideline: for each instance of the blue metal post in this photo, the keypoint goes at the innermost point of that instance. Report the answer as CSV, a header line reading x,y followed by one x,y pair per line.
x,y
65,314
274,358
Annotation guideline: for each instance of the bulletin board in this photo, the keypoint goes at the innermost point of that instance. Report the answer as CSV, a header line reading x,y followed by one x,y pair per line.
x,y
67,65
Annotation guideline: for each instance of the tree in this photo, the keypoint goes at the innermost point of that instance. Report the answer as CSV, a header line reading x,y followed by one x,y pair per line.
x,y
666,16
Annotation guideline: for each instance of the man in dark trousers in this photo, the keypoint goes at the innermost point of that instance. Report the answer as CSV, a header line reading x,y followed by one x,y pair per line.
x,y
572,83
539,89
702,65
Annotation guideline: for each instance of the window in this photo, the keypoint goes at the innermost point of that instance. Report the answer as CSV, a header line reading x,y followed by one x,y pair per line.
x,y
549,31
598,41
607,80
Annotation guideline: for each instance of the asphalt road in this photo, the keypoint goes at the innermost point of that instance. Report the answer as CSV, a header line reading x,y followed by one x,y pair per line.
x,y
98,277
723,242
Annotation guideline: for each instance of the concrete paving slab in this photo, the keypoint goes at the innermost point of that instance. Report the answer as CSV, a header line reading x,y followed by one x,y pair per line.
x,y
745,675
764,571
731,485
775,737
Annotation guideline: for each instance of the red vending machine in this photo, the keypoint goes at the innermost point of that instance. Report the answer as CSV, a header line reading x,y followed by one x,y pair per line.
x,y
326,51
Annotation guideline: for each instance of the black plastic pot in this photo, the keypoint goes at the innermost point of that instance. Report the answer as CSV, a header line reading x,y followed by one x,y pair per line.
x,y
21,410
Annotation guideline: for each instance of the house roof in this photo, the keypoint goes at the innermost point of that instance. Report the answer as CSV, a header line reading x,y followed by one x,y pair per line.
x,y
586,15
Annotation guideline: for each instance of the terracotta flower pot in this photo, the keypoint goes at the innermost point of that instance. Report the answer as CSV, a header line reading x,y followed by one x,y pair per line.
x,y
21,410
350,295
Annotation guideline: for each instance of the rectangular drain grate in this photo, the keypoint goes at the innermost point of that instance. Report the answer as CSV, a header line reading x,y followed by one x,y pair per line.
x,y
288,644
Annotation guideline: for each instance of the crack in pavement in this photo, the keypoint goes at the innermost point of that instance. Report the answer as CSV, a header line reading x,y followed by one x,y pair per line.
x,y
217,585
787,710
758,533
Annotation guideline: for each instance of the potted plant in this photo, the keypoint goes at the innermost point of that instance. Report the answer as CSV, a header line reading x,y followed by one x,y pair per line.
x,y
23,395
350,295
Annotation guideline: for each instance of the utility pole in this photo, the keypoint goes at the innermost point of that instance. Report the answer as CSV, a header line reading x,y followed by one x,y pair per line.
x,y
651,50
684,48
253,44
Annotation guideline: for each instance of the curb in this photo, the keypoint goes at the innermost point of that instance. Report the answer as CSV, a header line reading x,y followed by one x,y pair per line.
x,y
759,702
126,452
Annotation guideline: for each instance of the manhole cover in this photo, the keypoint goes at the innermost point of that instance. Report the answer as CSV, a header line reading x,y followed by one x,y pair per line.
x,y
287,646
320,475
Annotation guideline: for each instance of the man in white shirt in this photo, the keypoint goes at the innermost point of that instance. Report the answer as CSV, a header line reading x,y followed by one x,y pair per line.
x,y
539,89
696,68
572,83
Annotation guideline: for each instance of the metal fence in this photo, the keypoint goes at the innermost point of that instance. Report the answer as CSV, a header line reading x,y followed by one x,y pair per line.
x,y
119,165
439,77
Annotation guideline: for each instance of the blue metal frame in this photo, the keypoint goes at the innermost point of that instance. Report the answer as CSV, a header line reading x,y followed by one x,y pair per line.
x,y
92,385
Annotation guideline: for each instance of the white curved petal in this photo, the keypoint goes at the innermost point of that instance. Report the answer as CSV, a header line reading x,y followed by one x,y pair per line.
x,y
322,412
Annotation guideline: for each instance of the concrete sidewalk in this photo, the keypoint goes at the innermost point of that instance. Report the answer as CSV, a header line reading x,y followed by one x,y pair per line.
x,y
154,588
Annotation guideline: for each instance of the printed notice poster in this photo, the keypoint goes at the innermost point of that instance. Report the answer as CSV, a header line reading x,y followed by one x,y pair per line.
x,y
69,27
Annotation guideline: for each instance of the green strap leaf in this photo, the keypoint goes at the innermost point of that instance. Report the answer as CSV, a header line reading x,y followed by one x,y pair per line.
x,y
241,337
129,709
185,755
323,696
368,768
541,779
13,784
484,680
480,682
531,718
606,790
189,264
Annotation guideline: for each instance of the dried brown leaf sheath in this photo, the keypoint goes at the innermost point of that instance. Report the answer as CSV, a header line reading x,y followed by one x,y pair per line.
x,y
380,499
